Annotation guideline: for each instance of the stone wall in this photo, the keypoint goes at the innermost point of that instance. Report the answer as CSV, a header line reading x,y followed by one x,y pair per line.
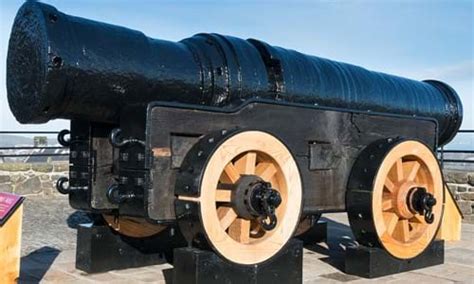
x,y
461,185
31,179
40,179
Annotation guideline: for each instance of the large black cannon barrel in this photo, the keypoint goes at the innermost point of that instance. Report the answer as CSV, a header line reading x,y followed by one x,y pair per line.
x,y
60,66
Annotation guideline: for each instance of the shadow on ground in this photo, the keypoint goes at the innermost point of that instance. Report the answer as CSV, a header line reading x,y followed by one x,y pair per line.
x,y
168,275
339,236
34,266
77,218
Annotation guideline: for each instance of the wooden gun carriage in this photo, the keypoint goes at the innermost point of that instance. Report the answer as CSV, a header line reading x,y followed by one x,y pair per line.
x,y
240,143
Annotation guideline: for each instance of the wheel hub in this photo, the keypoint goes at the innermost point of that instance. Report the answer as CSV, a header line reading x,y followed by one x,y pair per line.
x,y
401,198
254,198
411,198
422,202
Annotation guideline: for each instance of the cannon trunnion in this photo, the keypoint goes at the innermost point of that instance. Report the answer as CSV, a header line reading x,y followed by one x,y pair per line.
x,y
236,141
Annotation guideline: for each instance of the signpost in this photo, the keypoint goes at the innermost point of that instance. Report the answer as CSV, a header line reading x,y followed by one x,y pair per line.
x,y
11,212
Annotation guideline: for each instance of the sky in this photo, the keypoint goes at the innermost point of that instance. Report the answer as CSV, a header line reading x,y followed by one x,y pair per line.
x,y
426,39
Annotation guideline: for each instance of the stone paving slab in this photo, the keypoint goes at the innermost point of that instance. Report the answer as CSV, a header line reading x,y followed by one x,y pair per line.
x,y
49,254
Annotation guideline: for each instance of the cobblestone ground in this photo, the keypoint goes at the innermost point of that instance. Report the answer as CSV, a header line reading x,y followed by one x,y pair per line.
x,y
49,239
50,223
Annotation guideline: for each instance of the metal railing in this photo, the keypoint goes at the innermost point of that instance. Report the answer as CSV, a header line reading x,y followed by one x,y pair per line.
x,y
33,154
442,151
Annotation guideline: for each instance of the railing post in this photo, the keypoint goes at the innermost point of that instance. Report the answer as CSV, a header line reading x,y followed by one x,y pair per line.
x,y
15,154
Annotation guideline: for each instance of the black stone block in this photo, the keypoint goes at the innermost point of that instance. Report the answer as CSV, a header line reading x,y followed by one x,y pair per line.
x,y
375,262
198,267
100,249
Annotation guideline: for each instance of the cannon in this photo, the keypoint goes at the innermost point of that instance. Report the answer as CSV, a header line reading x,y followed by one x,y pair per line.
x,y
236,142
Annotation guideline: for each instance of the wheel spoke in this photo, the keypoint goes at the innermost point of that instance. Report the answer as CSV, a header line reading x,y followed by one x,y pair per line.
x,y
224,179
223,195
226,216
265,170
386,196
399,168
232,173
387,204
417,219
391,220
413,171
402,230
389,184
405,230
246,164
240,230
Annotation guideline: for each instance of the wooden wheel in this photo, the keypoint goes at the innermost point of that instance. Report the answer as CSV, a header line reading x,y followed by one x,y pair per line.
x,y
406,170
306,224
237,236
132,226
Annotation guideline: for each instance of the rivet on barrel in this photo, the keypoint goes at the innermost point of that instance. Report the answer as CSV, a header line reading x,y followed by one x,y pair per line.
x,y
57,62
53,18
